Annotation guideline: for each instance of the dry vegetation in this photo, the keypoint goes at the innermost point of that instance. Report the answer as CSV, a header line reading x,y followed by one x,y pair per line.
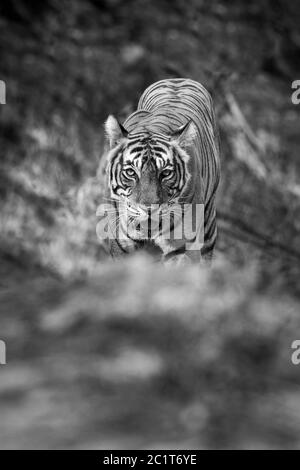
x,y
127,354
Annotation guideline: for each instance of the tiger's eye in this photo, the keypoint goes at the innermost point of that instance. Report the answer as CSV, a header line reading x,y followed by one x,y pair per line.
x,y
129,172
165,173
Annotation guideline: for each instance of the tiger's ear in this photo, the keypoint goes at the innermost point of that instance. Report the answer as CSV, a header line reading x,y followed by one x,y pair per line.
x,y
114,131
186,134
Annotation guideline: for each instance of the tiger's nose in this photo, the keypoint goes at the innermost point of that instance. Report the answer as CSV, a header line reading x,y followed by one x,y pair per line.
x,y
150,194
148,202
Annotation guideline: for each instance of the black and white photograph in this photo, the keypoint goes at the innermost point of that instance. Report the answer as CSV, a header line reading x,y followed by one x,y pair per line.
x,y
149,227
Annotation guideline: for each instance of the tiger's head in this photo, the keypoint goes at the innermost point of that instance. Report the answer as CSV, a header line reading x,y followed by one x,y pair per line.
x,y
146,168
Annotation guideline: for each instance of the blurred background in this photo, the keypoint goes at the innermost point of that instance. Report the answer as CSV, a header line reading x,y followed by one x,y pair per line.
x,y
129,355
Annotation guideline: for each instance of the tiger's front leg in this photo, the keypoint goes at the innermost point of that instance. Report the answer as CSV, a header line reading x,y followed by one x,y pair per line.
x,y
182,258
177,261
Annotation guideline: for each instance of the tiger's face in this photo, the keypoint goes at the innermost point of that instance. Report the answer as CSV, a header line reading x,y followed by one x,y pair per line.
x,y
146,169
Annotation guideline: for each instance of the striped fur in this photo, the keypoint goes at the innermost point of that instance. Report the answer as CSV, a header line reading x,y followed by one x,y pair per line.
x,y
166,153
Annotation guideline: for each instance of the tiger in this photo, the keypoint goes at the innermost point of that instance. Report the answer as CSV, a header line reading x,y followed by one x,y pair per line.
x,y
165,155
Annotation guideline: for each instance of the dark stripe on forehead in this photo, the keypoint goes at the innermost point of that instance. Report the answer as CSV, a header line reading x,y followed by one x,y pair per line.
x,y
160,160
133,143
139,148
136,135
156,148
135,159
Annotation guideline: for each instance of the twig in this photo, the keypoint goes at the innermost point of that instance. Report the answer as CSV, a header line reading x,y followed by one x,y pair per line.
x,y
258,236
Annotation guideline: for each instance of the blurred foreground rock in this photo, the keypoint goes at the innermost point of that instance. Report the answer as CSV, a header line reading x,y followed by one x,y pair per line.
x,y
144,357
